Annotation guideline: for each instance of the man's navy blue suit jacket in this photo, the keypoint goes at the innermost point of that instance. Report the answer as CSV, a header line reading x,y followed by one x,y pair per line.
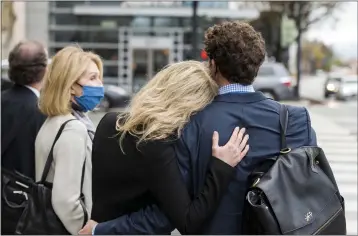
x,y
260,116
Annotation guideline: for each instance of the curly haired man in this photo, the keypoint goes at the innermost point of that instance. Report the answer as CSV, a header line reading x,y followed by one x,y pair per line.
x,y
236,51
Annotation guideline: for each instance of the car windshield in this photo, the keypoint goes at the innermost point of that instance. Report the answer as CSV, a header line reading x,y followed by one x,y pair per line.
x,y
281,70
334,80
266,71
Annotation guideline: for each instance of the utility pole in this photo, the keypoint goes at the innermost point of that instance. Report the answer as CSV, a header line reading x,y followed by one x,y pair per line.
x,y
299,50
194,37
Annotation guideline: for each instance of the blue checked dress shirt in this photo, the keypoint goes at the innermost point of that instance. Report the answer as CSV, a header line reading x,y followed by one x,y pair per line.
x,y
236,88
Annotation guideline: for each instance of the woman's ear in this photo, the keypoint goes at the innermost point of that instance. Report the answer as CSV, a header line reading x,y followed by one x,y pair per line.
x,y
76,90
73,92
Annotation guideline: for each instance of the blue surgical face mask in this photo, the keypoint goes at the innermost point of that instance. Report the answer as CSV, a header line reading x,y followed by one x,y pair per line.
x,y
91,97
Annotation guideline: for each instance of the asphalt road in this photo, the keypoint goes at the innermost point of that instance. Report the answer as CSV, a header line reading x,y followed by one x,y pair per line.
x,y
343,113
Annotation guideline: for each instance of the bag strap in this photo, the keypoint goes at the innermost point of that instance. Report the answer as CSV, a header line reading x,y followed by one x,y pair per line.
x,y
50,155
283,125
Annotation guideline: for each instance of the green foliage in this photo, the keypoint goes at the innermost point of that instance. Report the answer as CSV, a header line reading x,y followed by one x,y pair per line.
x,y
321,55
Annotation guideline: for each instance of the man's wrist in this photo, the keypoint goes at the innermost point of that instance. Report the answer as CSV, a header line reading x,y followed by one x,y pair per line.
x,y
94,228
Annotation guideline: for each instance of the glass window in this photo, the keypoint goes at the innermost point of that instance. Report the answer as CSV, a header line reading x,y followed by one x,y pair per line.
x,y
65,19
106,54
110,71
281,70
63,4
103,36
208,4
140,21
166,22
104,3
266,71
189,35
187,54
70,19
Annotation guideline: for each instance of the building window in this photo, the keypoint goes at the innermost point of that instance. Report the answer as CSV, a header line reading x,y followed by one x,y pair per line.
x,y
140,21
68,4
65,19
208,4
102,36
166,22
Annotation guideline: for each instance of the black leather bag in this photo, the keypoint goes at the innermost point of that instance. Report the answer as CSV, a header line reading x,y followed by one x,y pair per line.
x,y
294,193
26,205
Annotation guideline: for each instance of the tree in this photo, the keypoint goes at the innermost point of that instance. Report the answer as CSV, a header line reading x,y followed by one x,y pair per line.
x,y
317,55
304,14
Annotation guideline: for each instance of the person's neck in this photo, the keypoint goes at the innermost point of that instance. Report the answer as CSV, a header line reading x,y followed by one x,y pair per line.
x,y
221,81
36,86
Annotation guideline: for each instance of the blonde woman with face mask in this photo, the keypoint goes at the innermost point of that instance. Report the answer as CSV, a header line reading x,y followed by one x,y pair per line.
x,y
72,87
134,163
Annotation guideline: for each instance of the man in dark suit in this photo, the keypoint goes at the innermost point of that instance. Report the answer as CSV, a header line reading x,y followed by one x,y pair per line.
x,y
236,52
20,117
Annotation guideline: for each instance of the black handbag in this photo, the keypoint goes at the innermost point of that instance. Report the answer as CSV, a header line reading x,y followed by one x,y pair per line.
x,y
26,205
293,193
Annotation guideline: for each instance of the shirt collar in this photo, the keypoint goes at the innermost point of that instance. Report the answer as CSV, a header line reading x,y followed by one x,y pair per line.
x,y
236,88
35,91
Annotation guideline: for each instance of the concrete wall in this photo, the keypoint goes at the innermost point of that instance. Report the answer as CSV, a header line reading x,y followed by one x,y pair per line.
x,y
18,29
37,21
31,23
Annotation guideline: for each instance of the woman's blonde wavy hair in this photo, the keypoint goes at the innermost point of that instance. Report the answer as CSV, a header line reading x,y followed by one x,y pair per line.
x,y
66,68
164,105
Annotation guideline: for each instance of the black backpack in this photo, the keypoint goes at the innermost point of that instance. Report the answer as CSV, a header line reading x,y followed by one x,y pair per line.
x,y
293,193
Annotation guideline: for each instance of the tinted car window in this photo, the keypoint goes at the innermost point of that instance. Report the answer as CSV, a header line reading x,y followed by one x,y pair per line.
x,y
350,82
266,71
281,70
334,80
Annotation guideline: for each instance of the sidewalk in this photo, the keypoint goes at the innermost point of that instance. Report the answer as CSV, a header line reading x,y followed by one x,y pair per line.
x,y
340,148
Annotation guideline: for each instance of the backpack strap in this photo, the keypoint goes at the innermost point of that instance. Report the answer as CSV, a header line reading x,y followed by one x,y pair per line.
x,y
283,126
50,155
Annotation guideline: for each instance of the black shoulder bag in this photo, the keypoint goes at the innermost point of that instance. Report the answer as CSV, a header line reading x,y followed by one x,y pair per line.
x,y
28,204
294,193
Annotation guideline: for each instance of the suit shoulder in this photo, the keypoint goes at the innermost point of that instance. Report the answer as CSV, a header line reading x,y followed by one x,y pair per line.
x,y
207,111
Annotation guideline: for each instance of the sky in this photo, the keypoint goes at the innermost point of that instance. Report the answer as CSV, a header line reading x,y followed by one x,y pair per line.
x,y
343,35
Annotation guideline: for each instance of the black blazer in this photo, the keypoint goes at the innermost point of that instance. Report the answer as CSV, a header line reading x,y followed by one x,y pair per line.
x,y
20,122
125,183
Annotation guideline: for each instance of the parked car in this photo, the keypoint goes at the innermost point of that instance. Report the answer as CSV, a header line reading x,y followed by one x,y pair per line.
x,y
347,88
274,80
114,96
331,85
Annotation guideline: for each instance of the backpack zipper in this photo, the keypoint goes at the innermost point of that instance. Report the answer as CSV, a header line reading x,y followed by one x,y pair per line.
x,y
328,221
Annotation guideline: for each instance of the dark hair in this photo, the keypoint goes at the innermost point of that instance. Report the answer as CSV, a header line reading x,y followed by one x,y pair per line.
x,y
27,63
237,50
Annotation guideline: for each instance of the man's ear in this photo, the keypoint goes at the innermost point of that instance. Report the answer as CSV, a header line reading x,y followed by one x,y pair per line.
x,y
212,63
